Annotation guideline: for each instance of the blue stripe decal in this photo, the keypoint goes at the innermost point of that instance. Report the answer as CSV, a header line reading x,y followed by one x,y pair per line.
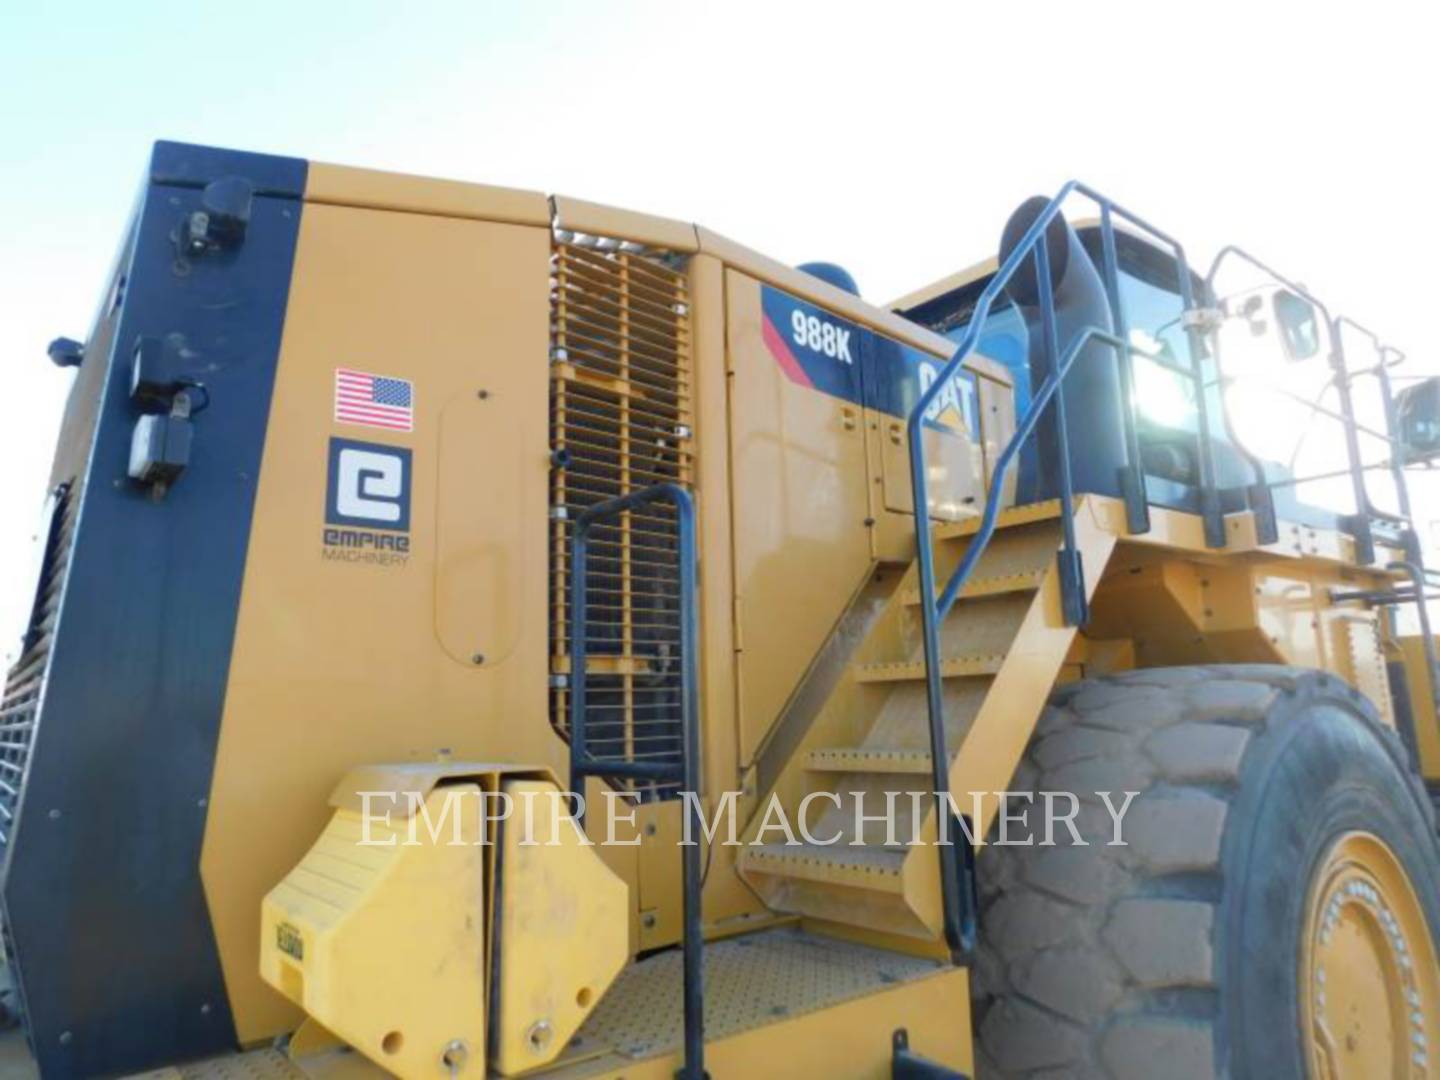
x,y
846,360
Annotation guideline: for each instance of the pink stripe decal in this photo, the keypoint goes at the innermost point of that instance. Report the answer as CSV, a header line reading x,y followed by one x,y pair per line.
x,y
781,351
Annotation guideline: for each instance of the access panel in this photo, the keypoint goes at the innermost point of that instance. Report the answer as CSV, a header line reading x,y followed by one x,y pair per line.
x,y
800,488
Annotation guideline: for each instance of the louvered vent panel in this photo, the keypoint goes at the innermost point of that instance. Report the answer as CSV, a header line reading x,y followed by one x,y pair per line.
x,y
23,684
621,420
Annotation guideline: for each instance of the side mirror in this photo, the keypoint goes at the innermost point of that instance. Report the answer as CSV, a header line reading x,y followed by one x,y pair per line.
x,y
1299,328
1417,417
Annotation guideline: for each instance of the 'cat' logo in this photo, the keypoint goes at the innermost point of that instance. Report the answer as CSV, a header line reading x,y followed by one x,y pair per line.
x,y
953,405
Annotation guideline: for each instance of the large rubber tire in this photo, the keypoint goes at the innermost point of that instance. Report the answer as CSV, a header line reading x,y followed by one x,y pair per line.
x,y
1176,955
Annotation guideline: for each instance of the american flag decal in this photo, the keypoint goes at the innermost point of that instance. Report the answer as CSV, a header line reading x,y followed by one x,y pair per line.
x,y
374,400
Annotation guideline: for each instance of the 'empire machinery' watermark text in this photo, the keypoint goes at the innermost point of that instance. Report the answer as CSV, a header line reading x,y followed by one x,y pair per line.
x,y
468,815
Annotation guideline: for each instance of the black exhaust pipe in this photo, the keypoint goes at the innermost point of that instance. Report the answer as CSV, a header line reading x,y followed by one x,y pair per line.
x,y
1091,393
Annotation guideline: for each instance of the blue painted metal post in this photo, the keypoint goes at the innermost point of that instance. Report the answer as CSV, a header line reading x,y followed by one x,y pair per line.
x,y
1072,573
1132,482
579,633
688,771
1210,510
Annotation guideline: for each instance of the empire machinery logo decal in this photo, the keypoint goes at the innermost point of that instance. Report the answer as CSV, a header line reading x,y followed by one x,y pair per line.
x,y
367,503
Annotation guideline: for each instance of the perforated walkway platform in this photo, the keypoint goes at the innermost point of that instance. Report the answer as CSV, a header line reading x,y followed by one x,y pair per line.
x,y
749,981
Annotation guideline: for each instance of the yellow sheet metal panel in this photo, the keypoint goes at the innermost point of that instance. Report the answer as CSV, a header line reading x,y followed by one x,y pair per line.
x,y
579,216
562,931
726,897
800,503
411,782
1422,705
954,463
997,426
1363,662
491,457
346,654
342,185
379,934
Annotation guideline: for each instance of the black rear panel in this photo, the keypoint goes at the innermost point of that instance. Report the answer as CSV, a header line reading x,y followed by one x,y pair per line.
x,y
122,686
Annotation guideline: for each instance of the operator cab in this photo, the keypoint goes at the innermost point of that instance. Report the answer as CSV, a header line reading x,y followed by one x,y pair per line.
x,y
1269,396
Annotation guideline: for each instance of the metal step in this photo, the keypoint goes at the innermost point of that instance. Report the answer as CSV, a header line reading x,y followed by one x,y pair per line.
x,y
954,667
1016,515
989,586
892,888
869,760
868,866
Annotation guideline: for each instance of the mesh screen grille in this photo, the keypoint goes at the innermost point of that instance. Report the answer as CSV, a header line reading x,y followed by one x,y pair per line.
x,y
621,420
26,678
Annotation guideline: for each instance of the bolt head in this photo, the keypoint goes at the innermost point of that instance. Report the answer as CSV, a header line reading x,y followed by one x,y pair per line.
x,y
539,1035
455,1054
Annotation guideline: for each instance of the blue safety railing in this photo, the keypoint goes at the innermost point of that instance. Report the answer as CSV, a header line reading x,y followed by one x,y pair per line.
x,y
1366,513
958,905
685,771
957,901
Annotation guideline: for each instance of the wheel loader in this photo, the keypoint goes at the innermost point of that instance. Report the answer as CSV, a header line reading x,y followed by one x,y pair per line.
x,y
482,633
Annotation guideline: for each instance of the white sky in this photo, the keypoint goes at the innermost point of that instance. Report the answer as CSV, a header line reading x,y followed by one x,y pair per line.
x,y
892,138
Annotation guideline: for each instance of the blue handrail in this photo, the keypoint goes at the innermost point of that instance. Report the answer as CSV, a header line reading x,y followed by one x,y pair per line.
x,y
958,918
991,515
959,936
687,770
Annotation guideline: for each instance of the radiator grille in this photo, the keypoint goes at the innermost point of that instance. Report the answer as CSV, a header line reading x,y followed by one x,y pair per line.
x,y
26,678
621,420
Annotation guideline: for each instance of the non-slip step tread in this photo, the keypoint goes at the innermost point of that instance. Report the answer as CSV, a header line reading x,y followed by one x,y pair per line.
x,y
975,664
1017,515
868,759
995,585
871,866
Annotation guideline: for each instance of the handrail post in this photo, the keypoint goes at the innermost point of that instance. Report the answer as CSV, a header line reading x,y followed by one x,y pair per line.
x,y
1211,513
693,949
579,622
946,840
959,918
1072,573
1397,466
959,930
1364,532
689,771
1132,476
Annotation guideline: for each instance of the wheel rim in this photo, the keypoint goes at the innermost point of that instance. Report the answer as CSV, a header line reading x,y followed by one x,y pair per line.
x,y
1369,979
